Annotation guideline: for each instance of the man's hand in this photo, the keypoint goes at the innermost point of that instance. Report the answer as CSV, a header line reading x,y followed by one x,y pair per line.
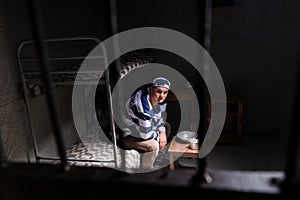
x,y
162,140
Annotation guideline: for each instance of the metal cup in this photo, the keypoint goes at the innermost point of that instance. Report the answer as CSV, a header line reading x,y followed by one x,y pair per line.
x,y
194,143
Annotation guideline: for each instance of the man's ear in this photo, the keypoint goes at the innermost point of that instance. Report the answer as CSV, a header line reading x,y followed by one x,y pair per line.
x,y
151,89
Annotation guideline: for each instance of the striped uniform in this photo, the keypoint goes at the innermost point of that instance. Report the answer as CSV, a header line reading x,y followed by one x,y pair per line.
x,y
148,121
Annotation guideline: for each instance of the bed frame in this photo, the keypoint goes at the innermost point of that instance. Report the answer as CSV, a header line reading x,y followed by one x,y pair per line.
x,y
65,61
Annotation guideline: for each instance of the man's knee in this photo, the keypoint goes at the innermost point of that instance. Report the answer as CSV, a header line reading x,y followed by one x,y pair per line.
x,y
143,145
154,144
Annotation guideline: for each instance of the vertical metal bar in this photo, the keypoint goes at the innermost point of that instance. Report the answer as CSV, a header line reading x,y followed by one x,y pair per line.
x,y
205,11
27,104
293,152
114,30
111,115
293,147
2,154
42,52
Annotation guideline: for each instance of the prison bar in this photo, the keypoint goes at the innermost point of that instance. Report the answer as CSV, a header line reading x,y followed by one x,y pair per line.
x,y
204,37
2,157
292,168
42,52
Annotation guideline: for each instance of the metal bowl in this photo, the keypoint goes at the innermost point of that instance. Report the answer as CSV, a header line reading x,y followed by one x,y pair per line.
x,y
186,136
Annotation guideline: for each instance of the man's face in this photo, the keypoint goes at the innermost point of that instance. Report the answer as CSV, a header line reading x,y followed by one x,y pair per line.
x,y
158,94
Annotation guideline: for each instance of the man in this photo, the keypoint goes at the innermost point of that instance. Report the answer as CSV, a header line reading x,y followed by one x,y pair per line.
x,y
147,131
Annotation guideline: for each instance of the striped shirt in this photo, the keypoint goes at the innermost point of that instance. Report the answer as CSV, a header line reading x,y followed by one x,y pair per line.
x,y
147,121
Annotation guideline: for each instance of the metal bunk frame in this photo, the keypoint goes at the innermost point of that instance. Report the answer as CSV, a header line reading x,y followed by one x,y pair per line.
x,y
24,73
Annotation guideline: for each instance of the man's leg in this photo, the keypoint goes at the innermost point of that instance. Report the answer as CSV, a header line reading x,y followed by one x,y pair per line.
x,y
150,149
149,157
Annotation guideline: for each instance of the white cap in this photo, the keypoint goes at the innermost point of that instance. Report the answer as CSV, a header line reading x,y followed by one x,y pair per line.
x,y
161,82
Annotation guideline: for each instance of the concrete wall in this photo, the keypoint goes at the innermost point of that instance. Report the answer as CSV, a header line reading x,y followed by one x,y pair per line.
x,y
13,121
256,47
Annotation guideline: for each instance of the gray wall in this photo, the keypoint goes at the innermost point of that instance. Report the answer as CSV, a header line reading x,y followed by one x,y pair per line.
x,y
13,120
256,47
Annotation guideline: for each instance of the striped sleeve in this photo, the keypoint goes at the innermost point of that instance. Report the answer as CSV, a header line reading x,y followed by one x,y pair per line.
x,y
140,113
161,126
161,123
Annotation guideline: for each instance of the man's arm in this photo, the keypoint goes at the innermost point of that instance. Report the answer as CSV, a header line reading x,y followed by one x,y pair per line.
x,y
162,140
162,129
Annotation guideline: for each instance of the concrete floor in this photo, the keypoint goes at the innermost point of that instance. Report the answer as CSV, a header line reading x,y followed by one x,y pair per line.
x,y
253,153
238,177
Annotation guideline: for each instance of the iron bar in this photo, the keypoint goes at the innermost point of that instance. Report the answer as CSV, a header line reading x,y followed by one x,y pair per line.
x,y
292,172
2,154
75,159
205,17
42,52
116,50
64,58
28,109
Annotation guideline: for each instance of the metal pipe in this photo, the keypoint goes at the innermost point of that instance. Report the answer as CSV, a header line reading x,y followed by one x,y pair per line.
x,y
65,58
28,109
74,159
65,72
42,52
